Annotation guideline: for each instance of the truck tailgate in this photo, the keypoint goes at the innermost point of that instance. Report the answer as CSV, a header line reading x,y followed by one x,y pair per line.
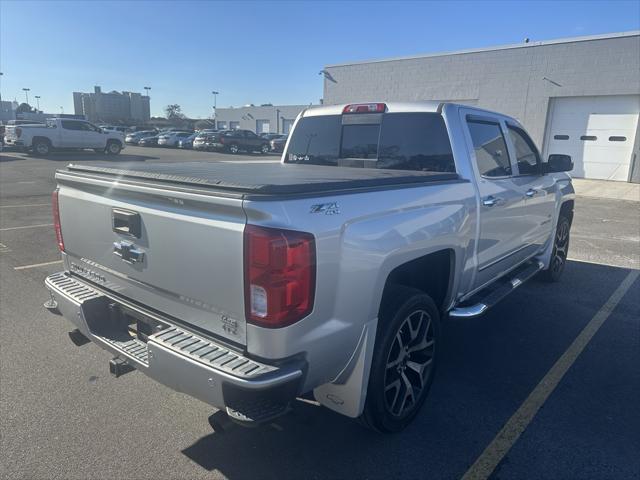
x,y
178,253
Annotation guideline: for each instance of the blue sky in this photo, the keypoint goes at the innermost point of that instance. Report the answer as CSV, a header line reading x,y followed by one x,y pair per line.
x,y
266,52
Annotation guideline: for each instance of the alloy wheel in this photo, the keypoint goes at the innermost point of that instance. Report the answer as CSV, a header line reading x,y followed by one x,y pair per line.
x,y
409,363
560,247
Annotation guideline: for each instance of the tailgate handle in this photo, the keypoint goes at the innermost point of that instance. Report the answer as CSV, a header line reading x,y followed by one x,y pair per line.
x,y
126,222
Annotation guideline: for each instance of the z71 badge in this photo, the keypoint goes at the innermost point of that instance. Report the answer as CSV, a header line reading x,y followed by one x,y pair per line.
x,y
331,208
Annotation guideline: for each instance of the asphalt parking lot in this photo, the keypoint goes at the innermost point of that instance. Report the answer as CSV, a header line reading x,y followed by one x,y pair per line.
x,y
63,416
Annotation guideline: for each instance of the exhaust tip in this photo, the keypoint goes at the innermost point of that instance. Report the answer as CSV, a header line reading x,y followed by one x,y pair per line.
x,y
220,422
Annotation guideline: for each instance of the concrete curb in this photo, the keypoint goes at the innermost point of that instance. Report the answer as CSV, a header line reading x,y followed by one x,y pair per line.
x,y
607,189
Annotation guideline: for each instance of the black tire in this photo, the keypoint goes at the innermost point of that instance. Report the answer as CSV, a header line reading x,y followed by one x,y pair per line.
x,y
41,147
560,251
399,356
113,148
233,148
265,149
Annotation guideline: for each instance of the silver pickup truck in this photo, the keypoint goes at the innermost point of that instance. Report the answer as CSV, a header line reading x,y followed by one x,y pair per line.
x,y
247,285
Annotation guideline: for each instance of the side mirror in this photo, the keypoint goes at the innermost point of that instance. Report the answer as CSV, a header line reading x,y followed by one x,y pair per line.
x,y
559,163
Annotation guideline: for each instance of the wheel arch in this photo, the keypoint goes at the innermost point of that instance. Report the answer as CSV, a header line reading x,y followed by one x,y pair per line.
x,y
567,209
41,138
432,274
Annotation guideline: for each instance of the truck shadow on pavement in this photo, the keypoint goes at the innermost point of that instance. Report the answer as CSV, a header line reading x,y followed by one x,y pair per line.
x,y
487,368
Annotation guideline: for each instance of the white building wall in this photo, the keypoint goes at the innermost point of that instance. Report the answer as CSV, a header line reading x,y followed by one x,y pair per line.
x,y
515,80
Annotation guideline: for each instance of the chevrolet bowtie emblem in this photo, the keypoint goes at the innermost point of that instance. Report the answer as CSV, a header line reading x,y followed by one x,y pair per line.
x,y
128,252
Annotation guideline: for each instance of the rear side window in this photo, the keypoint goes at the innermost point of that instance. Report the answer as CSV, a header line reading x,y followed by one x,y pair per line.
x,y
70,125
492,157
415,141
398,141
526,152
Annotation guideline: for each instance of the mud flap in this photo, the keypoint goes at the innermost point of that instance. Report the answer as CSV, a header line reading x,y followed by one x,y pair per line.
x,y
348,392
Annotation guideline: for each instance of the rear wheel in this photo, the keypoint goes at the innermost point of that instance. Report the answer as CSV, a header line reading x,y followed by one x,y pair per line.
x,y
234,148
560,250
113,148
404,359
265,149
42,147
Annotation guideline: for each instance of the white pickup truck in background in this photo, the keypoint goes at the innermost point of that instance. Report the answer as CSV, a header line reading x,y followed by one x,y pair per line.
x,y
63,133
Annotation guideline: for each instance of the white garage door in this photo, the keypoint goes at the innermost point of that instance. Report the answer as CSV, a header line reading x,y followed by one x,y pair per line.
x,y
598,133
262,126
286,126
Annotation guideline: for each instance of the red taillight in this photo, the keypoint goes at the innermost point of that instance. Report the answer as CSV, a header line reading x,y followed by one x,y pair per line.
x,y
18,131
56,219
279,277
365,108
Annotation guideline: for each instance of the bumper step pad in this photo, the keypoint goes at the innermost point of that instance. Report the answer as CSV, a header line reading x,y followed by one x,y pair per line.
x,y
210,354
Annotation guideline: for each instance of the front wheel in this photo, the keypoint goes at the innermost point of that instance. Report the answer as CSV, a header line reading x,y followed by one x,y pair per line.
x,y
265,149
404,359
560,251
42,147
113,148
234,149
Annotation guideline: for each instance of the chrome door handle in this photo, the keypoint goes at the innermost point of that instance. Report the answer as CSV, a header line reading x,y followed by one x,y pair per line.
x,y
531,192
490,201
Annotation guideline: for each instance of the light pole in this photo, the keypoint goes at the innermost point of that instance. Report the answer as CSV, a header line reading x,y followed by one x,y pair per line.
x,y
0,88
26,94
62,110
147,89
277,120
38,101
215,102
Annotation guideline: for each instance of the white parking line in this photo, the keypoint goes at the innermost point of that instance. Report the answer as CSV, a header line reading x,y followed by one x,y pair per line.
x,y
29,205
486,463
26,226
35,265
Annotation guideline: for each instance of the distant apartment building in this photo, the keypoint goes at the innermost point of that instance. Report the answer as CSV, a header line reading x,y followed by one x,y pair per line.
x,y
125,107
7,110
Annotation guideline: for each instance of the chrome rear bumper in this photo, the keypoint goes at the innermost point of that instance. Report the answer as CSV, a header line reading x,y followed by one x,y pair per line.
x,y
176,357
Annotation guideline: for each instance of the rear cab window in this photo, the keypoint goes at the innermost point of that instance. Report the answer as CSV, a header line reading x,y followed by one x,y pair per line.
x,y
398,141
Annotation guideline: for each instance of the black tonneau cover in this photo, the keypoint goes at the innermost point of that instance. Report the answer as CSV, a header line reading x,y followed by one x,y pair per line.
x,y
264,178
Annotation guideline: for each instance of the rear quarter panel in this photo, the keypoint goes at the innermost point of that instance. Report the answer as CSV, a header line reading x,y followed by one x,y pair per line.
x,y
357,248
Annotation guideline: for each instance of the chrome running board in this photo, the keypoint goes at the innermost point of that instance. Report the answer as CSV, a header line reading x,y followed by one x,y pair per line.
x,y
487,298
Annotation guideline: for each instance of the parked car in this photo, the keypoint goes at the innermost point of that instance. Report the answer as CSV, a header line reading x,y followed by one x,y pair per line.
x,y
62,133
271,136
171,139
135,137
277,144
187,143
151,141
208,140
24,122
330,272
112,128
234,141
